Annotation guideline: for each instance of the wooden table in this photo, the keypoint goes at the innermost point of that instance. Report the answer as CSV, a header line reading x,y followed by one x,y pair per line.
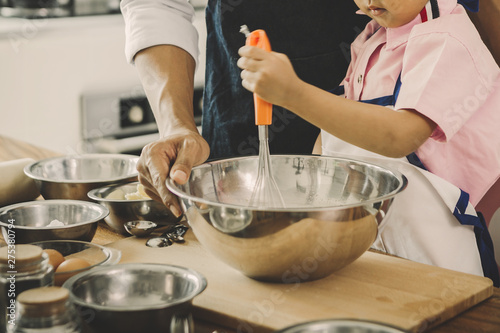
x,y
484,317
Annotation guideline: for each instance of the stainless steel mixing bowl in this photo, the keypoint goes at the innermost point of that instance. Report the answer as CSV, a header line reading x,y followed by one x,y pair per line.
x,y
136,297
72,177
341,326
34,221
333,207
123,210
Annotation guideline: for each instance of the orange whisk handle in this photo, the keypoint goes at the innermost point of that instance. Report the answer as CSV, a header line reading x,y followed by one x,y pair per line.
x,y
263,109
259,38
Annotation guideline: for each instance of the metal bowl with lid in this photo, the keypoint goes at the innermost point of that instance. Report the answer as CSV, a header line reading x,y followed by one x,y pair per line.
x,y
72,177
332,210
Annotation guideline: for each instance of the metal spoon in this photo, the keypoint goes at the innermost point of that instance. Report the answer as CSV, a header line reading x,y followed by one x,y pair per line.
x,y
174,234
140,228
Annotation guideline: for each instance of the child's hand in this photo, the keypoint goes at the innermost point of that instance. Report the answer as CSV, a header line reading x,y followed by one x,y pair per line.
x,y
268,74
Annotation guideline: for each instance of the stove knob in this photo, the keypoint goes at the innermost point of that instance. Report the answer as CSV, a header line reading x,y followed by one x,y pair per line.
x,y
136,114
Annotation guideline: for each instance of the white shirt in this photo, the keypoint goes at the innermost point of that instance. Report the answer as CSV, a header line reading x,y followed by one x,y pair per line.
x,y
157,22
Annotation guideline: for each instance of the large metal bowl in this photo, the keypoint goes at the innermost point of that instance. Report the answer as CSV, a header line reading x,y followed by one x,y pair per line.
x,y
342,326
123,210
34,221
132,298
333,207
72,177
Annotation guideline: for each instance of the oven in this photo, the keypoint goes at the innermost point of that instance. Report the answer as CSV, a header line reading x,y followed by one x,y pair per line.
x,y
122,121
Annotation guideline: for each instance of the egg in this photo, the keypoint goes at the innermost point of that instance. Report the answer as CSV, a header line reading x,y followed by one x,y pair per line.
x,y
67,269
55,257
72,264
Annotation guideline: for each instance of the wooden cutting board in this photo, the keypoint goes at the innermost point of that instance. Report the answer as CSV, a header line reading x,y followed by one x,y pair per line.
x,y
375,287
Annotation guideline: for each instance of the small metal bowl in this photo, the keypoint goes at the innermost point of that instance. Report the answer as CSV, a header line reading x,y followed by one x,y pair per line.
x,y
72,177
122,210
332,210
96,255
135,297
342,326
36,221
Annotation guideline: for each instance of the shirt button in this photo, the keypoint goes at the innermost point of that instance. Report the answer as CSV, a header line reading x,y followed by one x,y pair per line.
x,y
360,78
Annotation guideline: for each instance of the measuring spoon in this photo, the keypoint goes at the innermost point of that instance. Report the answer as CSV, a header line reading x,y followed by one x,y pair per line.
x,y
140,228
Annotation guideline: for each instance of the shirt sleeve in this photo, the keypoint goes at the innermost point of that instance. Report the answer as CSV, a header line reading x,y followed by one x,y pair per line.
x,y
156,22
441,80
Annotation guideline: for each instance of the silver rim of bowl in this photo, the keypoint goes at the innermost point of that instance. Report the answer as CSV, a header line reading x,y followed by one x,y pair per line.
x,y
172,187
323,325
28,168
103,211
111,256
202,284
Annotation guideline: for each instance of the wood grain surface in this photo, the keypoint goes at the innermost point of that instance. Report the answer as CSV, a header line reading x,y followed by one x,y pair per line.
x,y
481,318
376,287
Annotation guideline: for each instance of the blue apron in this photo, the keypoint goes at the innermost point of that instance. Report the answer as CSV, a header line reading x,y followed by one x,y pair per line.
x,y
315,35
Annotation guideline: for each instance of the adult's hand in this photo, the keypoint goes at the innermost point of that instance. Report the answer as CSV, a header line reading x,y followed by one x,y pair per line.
x,y
173,155
167,74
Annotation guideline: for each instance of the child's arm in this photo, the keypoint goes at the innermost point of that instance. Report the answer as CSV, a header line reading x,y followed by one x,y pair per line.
x,y
372,127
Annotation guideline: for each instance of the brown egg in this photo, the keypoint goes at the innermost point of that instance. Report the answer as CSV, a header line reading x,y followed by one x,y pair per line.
x,y
67,269
55,257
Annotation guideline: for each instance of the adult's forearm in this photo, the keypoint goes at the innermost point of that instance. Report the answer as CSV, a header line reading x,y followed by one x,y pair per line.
x,y
167,75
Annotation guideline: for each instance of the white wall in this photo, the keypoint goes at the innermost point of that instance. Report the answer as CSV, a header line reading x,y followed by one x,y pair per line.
x,y
47,64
